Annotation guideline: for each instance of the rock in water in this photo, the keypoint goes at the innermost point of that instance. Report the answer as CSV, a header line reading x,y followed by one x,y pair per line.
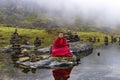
x,y
44,50
98,53
79,46
47,64
76,47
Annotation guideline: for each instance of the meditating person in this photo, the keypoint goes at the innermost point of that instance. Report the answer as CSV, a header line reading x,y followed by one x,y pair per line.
x,y
60,47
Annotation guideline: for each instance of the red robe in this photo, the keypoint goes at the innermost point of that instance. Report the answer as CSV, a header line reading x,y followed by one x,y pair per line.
x,y
60,48
61,74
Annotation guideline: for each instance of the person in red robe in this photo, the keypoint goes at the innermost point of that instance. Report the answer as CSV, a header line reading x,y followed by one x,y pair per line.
x,y
62,74
60,47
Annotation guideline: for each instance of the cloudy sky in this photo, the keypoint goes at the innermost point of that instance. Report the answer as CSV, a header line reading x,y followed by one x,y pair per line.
x,y
97,12
105,12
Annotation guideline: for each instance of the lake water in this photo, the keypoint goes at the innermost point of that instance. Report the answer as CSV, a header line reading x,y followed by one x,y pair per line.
x,y
105,66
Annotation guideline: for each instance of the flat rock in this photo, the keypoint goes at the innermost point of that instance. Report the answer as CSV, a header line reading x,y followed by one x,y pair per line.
x,y
47,64
74,46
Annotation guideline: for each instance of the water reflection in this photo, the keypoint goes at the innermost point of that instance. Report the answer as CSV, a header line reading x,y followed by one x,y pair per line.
x,y
103,64
62,74
26,70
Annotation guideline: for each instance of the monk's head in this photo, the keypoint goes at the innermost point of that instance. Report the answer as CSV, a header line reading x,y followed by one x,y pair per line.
x,y
61,35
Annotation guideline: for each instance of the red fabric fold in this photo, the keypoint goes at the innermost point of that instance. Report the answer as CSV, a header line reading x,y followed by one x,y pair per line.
x,y
61,48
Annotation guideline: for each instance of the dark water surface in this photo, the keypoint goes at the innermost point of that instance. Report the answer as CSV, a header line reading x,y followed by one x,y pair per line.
x,y
105,66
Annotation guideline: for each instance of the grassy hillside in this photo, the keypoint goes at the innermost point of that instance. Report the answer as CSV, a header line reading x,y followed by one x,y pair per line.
x,y
47,36
85,36
29,34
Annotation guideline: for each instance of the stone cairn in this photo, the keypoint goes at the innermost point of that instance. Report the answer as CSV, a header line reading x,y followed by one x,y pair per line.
x,y
20,53
106,40
15,42
37,43
119,40
93,39
112,39
72,37
16,46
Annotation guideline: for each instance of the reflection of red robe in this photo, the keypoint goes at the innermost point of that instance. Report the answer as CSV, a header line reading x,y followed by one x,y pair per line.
x,y
62,73
61,48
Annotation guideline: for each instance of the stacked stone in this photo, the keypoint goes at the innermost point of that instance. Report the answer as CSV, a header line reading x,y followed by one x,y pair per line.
x,y
37,43
72,38
15,42
112,39
106,40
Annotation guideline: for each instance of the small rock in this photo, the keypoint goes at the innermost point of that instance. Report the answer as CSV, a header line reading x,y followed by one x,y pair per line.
x,y
98,53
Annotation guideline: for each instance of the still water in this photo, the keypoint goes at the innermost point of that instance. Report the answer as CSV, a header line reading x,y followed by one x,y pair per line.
x,y
105,66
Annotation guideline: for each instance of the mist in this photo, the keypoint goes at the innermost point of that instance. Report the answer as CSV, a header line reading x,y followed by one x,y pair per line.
x,y
104,13
99,13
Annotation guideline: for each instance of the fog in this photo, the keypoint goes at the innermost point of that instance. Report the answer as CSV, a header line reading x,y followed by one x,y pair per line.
x,y
101,13
97,12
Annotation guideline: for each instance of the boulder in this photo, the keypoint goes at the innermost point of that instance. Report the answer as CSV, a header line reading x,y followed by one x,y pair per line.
x,y
47,64
27,46
44,50
75,47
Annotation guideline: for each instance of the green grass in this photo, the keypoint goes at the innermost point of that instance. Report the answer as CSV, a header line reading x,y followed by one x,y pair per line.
x,y
85,36
29,34
46,36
